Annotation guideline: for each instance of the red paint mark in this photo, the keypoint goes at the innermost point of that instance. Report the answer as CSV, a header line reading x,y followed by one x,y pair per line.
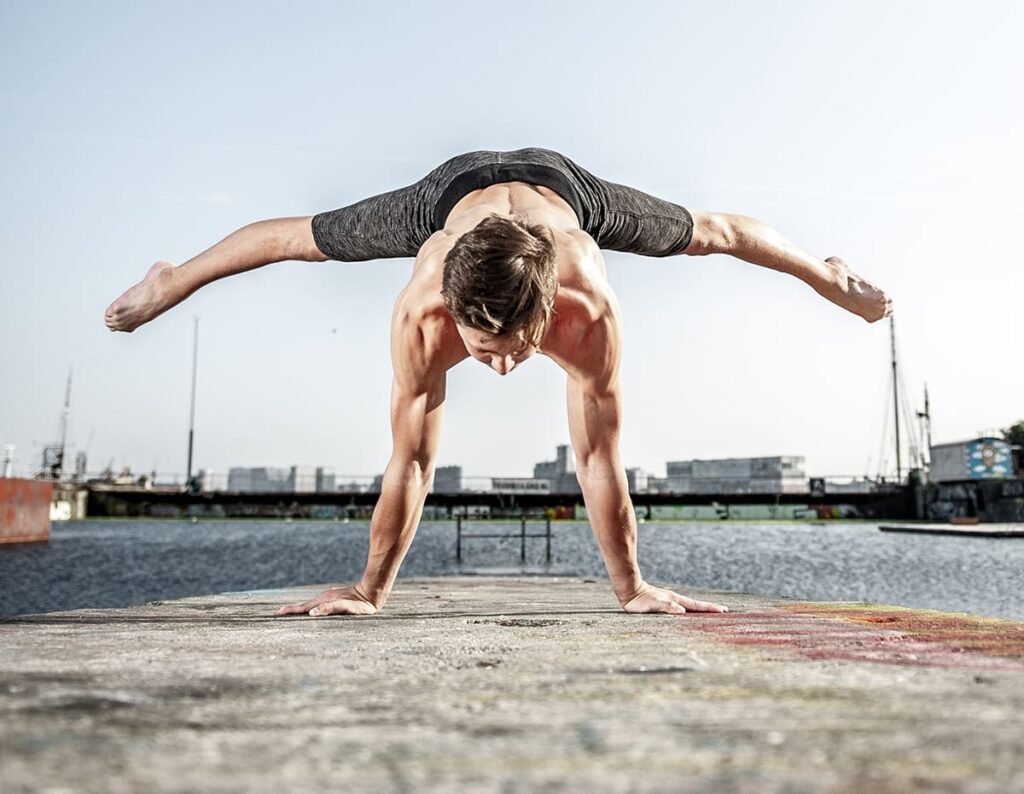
x,y
884,635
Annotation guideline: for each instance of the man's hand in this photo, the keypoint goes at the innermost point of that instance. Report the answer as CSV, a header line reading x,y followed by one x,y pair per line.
x,y
336,601
661,599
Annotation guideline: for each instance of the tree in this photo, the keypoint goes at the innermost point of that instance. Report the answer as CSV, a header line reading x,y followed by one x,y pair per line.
x,y
1015,435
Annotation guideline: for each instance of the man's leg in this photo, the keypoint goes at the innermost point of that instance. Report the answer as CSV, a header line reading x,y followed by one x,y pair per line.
x,y
250,247
755,242
392,224
389,225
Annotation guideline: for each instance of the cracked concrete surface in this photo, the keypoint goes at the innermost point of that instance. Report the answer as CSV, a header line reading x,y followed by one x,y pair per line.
x,y
510,684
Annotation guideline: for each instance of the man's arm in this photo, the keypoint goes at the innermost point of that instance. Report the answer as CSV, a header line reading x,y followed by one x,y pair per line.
x,y
416,428
595,420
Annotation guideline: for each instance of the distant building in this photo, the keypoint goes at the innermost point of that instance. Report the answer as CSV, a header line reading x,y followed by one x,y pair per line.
x,y
210,481
325,480
268,479
983,458
637,480
772,475
560,473
260,479
302,479
448,479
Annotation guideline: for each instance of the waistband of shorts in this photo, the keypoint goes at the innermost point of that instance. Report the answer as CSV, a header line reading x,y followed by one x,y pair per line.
x,y
496,173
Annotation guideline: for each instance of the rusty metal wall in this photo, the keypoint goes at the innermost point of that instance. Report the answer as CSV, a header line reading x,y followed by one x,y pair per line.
x,y
25,510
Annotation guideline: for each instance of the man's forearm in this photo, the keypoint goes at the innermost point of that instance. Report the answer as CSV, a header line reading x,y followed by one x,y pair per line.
x,y
398,511
610,510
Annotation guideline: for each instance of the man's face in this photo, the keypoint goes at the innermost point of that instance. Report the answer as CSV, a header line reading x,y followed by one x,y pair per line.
x,y
500,353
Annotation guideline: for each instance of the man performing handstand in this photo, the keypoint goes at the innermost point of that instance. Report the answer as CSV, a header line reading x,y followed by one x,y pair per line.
x,y
508,264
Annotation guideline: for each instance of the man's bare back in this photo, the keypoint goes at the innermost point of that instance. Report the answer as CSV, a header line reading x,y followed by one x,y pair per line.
x,y
582,336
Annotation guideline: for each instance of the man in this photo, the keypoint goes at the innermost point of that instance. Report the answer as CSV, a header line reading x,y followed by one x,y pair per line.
x,y
508,264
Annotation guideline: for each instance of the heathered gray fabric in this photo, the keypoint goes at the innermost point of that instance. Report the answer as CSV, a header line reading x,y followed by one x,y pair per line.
x,y
396,224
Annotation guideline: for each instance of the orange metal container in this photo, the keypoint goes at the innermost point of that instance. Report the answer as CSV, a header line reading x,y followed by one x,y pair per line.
x,y
25,510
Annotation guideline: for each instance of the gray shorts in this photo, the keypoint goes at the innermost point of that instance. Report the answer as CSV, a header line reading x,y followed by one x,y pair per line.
x,y
396,224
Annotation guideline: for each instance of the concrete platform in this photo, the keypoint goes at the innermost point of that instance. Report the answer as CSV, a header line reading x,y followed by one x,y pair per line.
x,y
969,530
525,684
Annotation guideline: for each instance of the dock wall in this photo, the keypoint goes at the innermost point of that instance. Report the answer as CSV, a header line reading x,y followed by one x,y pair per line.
x,y
113,501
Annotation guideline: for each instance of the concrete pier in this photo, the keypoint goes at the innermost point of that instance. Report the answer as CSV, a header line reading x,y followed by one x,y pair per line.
x,y
518,684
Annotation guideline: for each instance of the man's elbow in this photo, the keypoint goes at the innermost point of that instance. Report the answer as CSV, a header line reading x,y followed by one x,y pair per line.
x,y
412,471
598,467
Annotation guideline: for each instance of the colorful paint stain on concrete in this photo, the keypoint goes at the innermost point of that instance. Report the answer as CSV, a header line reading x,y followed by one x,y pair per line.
x,y
876,633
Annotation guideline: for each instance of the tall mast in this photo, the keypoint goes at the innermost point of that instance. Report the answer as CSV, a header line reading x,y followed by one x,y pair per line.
x,y
926,418
64,426
895,397
192,408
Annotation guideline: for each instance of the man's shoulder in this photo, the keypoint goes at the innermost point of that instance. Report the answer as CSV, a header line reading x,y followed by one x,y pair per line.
x,y
584,338
424,341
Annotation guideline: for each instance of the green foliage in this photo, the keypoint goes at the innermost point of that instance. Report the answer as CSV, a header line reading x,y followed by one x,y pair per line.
x,y
1015,435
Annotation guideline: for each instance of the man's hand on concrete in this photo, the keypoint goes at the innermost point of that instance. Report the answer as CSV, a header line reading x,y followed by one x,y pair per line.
x,y
336,601
661,599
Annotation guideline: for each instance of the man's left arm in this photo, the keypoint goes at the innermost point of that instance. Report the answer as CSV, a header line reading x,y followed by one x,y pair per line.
x,y
595,418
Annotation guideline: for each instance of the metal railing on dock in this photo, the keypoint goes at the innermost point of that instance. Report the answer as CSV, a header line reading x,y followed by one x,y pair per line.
x,y
522,535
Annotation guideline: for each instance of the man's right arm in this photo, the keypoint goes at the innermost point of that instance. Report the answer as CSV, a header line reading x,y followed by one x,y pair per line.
x,y
416,428
416,412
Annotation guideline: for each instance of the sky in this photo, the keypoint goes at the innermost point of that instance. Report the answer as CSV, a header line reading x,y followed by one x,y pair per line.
x,y
883,132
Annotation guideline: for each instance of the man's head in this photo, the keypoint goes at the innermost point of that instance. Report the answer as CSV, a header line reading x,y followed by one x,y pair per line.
x,y
499,286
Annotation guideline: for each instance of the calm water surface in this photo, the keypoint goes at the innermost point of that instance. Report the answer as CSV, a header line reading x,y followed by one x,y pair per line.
x,y
119,563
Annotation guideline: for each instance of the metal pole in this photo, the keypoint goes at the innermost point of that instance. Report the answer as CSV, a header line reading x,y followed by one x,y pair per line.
x,y
522,541
458,537
895,397
547,552
192,408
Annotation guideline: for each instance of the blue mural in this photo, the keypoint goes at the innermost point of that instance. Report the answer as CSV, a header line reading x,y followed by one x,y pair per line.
x,y
989,459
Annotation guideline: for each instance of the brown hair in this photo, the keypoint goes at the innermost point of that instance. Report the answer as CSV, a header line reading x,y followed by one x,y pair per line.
x,y
500,278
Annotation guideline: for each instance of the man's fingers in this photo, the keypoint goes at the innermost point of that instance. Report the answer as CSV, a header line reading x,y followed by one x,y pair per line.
x,y
693,605
303,608
295,609
343,606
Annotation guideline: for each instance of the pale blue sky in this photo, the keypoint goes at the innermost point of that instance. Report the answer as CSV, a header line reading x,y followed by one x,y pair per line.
x,y
885,132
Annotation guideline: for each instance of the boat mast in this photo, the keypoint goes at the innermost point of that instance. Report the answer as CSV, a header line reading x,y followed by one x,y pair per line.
x,y
59,468
926,419
895,397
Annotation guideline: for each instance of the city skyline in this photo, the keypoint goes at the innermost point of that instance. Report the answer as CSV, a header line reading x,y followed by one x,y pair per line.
x,y
135,132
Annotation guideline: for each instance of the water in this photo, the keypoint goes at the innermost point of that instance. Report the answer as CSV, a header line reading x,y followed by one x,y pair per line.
x,y
119,563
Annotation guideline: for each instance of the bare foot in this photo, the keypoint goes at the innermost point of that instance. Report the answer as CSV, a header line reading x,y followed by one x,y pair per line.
x,y
140,304
857,294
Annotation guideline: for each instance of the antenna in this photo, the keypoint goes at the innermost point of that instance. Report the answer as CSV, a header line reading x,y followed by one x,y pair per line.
x,y
192,409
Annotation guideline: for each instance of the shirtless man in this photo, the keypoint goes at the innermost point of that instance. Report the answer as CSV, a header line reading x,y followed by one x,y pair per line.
x,y
508,263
